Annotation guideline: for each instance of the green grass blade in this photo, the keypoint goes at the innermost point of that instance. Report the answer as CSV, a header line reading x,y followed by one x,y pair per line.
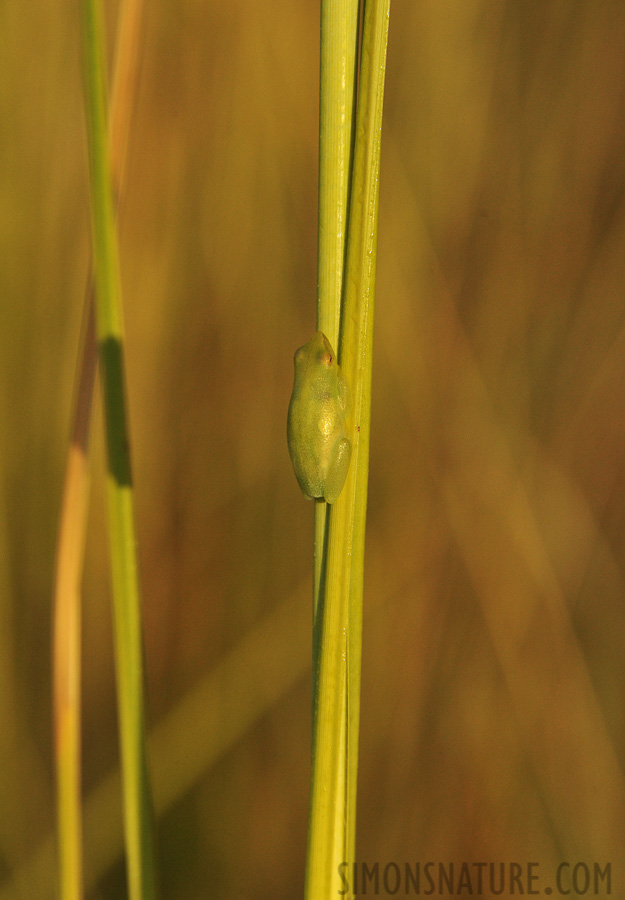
x,y
74,505
339,39
356,351
336,719
337,86
127,614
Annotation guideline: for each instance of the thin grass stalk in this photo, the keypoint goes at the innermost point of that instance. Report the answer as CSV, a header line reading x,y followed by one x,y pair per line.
x,y
73,516
126,599
337,86
337,100
357,353
67,625
336,721
337,97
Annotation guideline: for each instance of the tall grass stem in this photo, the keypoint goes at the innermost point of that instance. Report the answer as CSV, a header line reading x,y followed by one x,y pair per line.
x,y
337,102
336,682
74,504
126,599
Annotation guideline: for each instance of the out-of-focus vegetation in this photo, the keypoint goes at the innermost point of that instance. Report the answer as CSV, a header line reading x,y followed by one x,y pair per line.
x,y
493,722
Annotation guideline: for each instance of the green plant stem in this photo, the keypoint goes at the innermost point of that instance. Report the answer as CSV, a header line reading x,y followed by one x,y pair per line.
x,y
337,95
337,677
337,83
356,351
74,505
126,600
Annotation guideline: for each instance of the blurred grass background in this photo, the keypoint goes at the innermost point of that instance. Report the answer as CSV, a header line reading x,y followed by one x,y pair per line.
x,y
493,714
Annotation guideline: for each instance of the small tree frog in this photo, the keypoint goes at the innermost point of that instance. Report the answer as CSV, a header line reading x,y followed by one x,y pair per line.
x,y
316,427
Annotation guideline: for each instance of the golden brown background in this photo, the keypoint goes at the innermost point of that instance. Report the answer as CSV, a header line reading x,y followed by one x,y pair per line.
x,y
493,713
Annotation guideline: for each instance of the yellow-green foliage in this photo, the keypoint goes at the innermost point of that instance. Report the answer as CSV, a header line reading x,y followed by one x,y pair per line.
x,y
492,710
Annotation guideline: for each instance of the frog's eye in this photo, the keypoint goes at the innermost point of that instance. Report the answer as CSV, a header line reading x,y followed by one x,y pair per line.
x,y
326,359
